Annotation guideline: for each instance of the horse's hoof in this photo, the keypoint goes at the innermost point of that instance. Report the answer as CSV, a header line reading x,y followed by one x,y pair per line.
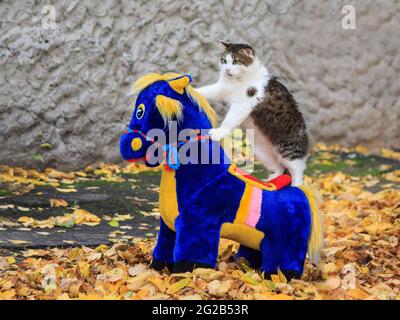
x,y
289,274
184,266
159,265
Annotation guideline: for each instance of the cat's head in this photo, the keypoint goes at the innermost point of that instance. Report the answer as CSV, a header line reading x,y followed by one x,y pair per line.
x,y
237,59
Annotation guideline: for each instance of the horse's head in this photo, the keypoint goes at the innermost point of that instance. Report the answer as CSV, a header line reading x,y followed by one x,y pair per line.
x,y
162,99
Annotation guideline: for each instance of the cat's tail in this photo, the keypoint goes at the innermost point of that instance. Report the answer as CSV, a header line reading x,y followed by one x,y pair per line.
x,y
316,237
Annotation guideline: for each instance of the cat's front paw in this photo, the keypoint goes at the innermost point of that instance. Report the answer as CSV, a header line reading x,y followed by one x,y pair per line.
x,y
219,133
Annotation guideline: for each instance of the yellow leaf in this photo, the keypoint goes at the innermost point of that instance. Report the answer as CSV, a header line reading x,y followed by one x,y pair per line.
x,y
114,275
64,190
38,253
278,278
213,286
158,283
204,273
18,242
267,296
26,220
142,293
138,281
282,276
67,181
275,278
91,296
390,154
7,206
7,295
69,241
23,209
178,285
224,287
94,256
101,247
378,227
58,203
192,297
10,260
357,294
364,270
327,269
64,296
361,149
122,217
85,217
84,269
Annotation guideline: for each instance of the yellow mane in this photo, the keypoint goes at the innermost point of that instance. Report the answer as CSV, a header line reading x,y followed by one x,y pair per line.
x,y
195,96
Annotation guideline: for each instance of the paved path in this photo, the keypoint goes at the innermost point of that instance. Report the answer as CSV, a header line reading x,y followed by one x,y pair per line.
x,y
138,199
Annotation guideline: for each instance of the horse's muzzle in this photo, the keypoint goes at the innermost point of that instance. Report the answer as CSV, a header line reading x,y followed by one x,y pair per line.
x,y
133,146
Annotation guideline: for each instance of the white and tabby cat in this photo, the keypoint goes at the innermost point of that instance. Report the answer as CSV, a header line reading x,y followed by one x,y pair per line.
x,y
259,101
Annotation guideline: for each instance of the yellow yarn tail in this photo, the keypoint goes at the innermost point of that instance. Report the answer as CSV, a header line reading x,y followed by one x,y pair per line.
x,y
315,240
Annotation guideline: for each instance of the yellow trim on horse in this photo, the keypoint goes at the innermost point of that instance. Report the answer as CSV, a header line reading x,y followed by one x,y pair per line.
x,y
266,186
244,206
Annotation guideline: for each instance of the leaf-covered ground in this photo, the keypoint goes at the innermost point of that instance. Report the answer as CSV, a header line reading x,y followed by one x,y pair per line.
x,y
360,204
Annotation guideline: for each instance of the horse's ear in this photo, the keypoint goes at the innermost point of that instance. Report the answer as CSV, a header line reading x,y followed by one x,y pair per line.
x,y
179,84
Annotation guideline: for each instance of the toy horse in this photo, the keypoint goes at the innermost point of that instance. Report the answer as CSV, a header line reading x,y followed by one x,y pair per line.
x,y
276,224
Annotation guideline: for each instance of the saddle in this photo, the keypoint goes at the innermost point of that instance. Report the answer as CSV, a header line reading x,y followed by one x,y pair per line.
x,y
271,185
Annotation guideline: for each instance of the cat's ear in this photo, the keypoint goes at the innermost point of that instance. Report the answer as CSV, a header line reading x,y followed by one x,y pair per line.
x,y
248,52
224,43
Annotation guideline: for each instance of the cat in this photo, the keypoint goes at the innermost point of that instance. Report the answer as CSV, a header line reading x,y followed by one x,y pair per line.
x,y
257,100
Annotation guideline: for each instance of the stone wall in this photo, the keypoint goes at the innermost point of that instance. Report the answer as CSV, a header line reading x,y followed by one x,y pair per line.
x,y
63,91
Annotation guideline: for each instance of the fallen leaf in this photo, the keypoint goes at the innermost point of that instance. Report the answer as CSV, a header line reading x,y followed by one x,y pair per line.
x,y
65,190
179,285
357,294
138,281
58,203
113,223
18,242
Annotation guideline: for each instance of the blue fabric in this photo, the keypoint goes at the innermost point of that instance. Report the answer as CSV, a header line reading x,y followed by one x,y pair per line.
x,y
164,248
251,255
286,220
208,196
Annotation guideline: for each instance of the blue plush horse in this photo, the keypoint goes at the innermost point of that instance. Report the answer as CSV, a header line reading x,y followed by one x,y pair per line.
x,y
276,224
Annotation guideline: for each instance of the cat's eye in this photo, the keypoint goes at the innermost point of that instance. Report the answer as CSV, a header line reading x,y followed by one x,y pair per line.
x,y
223,60
236,62
140,111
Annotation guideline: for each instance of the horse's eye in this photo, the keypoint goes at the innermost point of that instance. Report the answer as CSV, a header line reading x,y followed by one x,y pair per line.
x,y
223,60
140,111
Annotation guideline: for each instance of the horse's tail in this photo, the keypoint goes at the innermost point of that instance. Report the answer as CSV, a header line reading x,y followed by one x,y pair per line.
x,y
315,239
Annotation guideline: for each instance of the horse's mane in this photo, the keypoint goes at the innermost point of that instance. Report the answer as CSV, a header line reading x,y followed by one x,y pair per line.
x,y
194,95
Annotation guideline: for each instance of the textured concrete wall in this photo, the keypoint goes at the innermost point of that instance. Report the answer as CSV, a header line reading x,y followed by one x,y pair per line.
x,y
66,87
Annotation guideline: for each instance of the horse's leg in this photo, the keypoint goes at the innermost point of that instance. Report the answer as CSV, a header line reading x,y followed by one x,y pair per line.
x,y
251,255
196,243
286,253
164,249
